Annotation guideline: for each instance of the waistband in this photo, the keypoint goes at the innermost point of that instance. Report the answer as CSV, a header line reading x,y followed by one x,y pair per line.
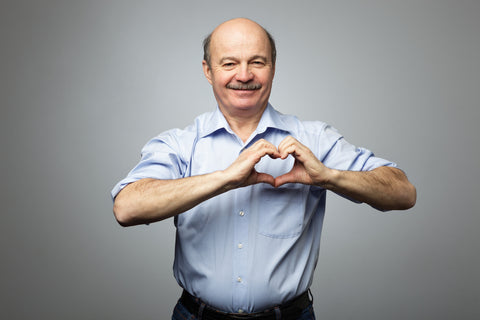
x,y
287,310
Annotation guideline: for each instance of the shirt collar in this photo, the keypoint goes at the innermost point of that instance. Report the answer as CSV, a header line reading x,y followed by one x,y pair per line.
x,y
271,118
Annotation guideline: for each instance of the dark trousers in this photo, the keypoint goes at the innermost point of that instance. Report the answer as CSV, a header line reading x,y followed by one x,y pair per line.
x,y
185,310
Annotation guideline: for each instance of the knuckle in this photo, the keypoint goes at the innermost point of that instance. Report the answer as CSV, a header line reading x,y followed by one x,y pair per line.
x,y
261,141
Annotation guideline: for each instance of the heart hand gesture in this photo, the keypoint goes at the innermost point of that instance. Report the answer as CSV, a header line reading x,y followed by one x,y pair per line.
x,y
242,171
307,169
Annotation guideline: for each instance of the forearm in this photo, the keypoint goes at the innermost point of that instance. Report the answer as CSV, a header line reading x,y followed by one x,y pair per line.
x,y
151,200
384,188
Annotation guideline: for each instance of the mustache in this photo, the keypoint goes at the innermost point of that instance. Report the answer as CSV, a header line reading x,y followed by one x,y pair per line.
x,y
244,86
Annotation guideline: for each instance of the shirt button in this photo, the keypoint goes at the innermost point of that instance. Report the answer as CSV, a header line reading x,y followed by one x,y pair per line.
x,y
239,279
240,246
241,213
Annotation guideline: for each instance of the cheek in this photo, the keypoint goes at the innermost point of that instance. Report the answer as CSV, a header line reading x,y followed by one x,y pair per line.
x,y
222,80
265,78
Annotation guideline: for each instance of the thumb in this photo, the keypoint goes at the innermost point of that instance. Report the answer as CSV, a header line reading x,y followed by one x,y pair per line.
x,y
284,178
265,178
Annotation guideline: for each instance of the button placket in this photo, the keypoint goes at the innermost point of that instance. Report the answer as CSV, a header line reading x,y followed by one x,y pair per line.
x,y
240,255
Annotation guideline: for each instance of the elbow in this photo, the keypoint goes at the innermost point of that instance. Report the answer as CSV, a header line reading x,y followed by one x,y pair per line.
x,y
123,216
405,199
408,198
412,197
406,194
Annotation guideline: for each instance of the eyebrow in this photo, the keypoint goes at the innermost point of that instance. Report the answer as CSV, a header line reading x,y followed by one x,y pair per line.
x,y
227,58
251,59
259,57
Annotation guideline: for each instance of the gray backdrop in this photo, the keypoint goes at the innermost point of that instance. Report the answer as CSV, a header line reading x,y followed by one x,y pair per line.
x,y
84,84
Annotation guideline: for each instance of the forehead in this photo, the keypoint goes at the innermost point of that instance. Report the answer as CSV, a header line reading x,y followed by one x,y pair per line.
x,y
239,41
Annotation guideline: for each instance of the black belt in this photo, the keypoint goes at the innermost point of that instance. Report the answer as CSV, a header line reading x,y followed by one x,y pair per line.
x,y
289,310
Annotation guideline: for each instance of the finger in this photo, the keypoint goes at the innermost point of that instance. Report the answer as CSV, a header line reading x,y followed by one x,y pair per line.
x,y
299,151
283,179
288,146
286,142
272,153
265,178
288,150
263,143
264,147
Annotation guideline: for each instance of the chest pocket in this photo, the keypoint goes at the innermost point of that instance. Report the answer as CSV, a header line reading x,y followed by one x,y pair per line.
x,y
281,211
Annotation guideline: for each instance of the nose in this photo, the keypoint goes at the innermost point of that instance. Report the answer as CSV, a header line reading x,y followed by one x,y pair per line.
x,y
244,74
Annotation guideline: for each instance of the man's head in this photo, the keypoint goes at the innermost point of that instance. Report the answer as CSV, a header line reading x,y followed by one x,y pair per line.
x,y
207,40
240,64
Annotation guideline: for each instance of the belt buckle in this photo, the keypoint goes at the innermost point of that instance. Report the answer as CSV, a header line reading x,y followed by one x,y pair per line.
x,y
267,314
239,316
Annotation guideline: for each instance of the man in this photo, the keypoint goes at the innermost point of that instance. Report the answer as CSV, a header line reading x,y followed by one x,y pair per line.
x,y
247,188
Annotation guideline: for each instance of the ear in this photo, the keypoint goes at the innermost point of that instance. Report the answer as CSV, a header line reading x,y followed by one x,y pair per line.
x,y
207,71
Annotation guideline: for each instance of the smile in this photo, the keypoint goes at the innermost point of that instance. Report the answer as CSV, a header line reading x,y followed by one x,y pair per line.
x,y
244,86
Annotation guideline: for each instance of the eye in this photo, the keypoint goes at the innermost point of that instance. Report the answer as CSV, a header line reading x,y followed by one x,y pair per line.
x,y
258,63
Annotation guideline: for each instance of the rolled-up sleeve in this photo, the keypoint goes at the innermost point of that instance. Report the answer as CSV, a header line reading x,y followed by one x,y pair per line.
x,y
160,159
338,153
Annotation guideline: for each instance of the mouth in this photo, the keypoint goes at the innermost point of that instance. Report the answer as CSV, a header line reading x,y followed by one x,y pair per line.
x,y
244,86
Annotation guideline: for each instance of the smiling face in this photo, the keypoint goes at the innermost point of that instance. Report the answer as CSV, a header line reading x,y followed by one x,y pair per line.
x,y
241,69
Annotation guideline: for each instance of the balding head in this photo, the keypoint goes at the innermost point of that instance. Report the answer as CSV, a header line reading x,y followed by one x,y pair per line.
x,y
239,65
238,25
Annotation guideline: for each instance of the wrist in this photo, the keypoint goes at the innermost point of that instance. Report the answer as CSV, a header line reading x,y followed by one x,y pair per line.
x,y
227,181
330,179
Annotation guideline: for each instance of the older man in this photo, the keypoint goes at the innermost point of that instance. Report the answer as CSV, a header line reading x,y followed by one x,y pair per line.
x,y
247,187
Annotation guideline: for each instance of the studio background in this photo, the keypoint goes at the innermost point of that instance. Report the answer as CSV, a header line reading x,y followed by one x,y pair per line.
x,y
85,84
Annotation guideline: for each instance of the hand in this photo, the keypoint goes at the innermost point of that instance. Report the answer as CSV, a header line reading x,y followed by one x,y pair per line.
x,y
242,171
307,169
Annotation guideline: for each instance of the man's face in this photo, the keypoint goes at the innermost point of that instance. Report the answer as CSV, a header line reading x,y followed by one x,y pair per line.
x,y
241,70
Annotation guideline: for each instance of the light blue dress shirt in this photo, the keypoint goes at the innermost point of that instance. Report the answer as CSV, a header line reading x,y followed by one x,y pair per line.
x,y
250,248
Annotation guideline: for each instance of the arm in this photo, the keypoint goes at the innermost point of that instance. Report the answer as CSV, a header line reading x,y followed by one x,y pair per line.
x,y
384,188
151,200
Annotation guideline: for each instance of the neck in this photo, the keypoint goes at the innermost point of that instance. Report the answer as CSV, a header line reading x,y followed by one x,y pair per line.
x,y
243,122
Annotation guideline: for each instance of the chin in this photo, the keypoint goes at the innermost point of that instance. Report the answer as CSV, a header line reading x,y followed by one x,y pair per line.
x,y
248,105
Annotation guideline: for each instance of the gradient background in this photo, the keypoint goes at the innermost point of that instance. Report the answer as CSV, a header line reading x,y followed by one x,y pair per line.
x,y
84,84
